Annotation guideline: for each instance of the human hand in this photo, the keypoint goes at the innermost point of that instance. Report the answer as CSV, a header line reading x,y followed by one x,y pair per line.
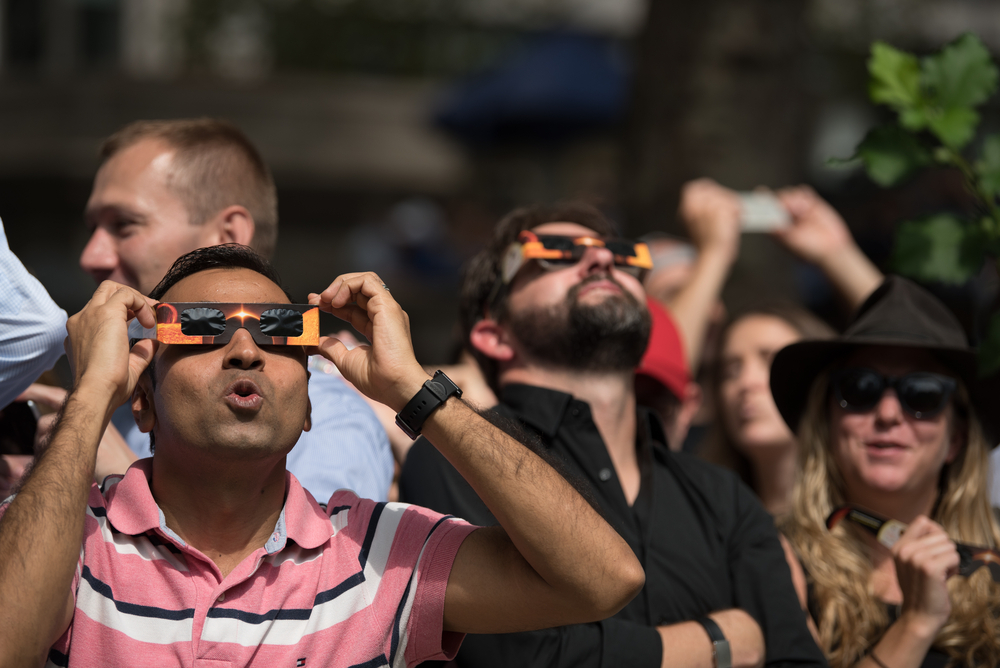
x,y
52,398
712,215
387,370
817,231
925,558
97,345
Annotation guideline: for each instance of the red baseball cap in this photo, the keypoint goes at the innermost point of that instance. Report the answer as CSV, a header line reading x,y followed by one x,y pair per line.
x,y
664,359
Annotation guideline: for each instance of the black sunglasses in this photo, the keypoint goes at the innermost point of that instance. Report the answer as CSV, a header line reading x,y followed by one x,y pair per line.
x,y
922,395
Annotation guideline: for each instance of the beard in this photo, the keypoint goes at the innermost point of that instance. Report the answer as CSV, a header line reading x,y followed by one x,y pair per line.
x,y
605,337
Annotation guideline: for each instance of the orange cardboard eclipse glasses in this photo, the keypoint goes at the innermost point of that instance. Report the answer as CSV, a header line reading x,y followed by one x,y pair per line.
x,y
213,324
556,252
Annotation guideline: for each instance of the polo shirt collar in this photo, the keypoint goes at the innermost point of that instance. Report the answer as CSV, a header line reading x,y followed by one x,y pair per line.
x,y
132,510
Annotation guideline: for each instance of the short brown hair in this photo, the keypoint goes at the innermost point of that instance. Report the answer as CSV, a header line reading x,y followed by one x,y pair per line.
x,y
481,273
216,166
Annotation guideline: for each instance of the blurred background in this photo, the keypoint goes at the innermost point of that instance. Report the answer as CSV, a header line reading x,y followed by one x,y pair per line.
x,y
399,131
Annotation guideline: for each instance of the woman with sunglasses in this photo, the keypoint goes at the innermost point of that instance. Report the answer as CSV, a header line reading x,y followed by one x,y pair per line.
x,y
893,417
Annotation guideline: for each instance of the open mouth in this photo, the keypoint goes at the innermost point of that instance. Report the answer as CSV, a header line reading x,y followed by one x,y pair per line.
x,y
244,394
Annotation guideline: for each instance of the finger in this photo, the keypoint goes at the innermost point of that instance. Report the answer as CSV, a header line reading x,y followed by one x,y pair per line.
x,y
137,305
139,358
356,316
334,350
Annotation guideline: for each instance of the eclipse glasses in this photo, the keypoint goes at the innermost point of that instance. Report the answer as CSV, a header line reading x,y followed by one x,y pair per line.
x,y
558,252
922,395
213,324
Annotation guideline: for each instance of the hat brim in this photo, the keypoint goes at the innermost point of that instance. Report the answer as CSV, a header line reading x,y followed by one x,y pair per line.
x,y
797,366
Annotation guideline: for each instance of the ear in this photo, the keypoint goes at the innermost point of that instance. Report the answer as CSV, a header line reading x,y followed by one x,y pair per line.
x,y
234,224
491,339
309,408
143,408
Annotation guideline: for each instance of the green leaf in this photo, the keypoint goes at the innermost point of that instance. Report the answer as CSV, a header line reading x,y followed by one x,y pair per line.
x,y
955,127
895,76
988,166
989,349
890,154
961,75
938,248
914,119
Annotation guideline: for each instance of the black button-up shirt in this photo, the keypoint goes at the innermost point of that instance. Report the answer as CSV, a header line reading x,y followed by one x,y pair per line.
x,y
702,537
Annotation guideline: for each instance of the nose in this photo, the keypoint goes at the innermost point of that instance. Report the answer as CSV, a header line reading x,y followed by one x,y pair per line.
x,y
100,256
597,259
242,352
754,373
888,411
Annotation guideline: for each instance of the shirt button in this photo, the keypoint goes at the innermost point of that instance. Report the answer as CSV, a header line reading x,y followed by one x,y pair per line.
x,y
604,475
575,412
222,598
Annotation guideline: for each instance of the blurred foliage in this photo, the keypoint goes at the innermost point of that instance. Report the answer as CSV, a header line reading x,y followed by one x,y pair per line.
x,y
935,99
387,37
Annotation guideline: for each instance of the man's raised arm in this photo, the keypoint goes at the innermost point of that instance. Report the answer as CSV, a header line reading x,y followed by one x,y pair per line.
x,y
41,531
554,560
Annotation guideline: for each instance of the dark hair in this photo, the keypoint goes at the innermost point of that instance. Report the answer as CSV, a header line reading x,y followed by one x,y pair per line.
x,y
214,166
481,273
223,256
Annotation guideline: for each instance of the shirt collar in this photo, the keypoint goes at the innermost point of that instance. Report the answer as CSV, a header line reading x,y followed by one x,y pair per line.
x,y
540,407
132,510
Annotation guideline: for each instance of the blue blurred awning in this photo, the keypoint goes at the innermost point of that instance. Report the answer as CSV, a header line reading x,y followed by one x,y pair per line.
x,y
557,86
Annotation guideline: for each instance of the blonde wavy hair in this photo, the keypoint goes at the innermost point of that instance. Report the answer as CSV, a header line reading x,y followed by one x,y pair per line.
x,y
849,616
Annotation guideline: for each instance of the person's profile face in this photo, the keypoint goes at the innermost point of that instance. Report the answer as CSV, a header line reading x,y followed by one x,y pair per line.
x,y
749,415
886,449
242,398
138,224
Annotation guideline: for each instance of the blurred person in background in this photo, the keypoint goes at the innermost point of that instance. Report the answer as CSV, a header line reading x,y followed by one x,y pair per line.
x,y
555,313
32,329
745,430
165,188
749,435
891,418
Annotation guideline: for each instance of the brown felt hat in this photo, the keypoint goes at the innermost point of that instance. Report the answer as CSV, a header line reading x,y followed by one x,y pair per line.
x,y
899,314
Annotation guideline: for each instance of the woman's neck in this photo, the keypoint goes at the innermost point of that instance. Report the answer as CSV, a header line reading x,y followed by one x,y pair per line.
x,y
773,471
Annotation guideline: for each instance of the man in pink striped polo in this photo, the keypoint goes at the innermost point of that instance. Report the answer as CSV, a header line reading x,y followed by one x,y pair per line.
x,y
211,554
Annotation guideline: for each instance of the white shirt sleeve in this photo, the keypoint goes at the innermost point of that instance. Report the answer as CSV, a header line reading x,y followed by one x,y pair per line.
x,y
32,326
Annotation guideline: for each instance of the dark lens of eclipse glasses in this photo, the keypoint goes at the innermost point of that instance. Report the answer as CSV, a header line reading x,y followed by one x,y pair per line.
x,y
922,395
281,322
203,322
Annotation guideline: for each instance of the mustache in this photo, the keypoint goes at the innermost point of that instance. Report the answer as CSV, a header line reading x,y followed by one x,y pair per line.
x,y
573,292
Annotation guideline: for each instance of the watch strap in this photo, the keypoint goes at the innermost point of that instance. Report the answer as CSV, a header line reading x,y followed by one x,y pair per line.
x,y
430,397
721,654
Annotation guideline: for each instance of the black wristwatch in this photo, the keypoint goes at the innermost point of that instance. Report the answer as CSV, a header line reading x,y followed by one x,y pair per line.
x,y
721,656
434,393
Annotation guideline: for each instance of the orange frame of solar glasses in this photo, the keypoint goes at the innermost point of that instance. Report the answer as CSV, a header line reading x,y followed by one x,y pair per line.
x,y
237,315
530,246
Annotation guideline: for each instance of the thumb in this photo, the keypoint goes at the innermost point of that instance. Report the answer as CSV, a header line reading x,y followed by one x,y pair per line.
x,y
332,349
140,356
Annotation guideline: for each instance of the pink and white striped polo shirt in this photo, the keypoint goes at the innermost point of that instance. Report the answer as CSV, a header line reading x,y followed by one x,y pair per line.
x,y
359,584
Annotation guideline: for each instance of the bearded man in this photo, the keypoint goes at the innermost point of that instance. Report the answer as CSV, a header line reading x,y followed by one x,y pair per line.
x,y
555,313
